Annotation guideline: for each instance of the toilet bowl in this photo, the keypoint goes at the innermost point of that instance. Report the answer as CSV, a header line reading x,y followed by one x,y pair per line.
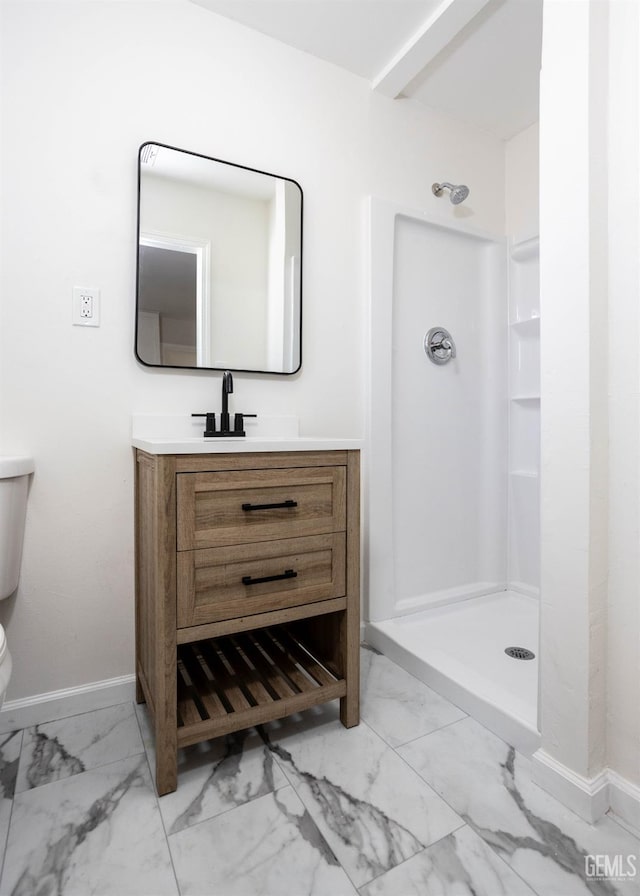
x,y
6,665
14,483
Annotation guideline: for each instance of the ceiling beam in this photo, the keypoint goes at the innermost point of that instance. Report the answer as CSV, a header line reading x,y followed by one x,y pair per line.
x,y
432,37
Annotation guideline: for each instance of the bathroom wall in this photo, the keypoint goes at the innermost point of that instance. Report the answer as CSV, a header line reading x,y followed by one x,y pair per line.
x,y
591,416
623,623
522,184
590,338
83,85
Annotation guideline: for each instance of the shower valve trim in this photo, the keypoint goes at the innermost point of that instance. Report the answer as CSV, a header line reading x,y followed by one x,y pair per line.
x,y
439,345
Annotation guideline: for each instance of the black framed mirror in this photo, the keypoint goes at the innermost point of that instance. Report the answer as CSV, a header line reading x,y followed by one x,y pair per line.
x,y
219,271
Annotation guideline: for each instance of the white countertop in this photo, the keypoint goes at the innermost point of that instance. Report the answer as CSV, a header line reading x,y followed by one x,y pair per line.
x,y
182,434
231,445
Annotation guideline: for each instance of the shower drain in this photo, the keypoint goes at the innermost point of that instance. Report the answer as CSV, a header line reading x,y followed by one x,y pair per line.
x,y
520,653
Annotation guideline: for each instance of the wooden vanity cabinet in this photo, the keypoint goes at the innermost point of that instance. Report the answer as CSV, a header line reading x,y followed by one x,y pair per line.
x,y
247,591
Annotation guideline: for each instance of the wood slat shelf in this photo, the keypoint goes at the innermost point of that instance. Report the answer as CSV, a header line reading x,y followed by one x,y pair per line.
x,y
229,683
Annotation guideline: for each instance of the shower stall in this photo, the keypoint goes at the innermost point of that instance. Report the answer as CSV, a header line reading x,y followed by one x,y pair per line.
x,y
453,515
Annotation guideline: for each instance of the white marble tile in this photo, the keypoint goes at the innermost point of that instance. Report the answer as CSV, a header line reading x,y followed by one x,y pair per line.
x,y
490,786
145,725
372,809
458,865
214,776
97,833
146,730
268,847
398,706
218,775
70,746
10,745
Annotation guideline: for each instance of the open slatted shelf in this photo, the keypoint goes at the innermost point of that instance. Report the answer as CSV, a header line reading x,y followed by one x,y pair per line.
x,y
229,683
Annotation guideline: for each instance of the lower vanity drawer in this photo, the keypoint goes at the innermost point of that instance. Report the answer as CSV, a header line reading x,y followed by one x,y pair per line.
x,y
222,583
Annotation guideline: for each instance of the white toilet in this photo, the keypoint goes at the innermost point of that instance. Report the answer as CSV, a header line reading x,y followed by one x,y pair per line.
x,y
14,483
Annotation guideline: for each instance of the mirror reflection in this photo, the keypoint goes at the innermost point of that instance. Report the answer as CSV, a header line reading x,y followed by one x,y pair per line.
x,y
219,264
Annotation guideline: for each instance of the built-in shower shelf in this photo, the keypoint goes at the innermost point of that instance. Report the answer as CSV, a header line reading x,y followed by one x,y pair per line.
x,y
525,398
526,250
528,326
525,474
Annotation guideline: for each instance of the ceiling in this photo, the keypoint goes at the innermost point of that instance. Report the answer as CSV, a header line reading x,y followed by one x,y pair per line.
x,y
475,60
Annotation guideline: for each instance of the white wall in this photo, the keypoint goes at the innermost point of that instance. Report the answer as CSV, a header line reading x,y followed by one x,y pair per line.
x,y
522,184
590,278
84,84
573,507
623,625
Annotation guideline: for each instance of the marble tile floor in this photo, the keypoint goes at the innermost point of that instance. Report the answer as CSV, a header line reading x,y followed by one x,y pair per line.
x,y
418,800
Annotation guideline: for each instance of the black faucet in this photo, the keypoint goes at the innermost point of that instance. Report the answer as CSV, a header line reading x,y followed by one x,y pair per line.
x,y
225,422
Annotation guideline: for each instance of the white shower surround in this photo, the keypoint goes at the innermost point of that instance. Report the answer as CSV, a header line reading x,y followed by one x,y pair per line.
x,y
445,420
439,523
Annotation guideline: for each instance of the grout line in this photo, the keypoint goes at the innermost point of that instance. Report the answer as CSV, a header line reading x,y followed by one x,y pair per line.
x,y
255,799
157,798
434,731
629,828
463,824
6,842
429,687
72,715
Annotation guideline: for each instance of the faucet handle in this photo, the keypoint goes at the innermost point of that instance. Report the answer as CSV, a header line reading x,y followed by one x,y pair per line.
x,y
238,423
210,425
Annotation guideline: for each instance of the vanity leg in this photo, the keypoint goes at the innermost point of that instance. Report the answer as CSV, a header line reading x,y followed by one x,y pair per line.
x,y
166,722
349,710
349,627
350,649
140,698
166,761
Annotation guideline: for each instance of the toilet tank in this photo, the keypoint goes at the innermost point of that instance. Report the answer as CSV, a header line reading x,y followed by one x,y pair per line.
x,y
14,483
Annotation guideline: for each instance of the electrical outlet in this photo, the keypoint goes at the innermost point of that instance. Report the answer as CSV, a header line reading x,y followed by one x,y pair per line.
x,y
86,305
85,309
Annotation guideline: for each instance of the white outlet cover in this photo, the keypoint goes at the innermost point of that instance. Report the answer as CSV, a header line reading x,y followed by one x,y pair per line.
x,y
81,293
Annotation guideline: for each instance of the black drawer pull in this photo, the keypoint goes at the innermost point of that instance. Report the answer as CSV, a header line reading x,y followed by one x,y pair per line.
x,y
287,574
269,506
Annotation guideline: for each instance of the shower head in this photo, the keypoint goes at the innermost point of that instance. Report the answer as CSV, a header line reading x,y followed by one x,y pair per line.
x,y
458,193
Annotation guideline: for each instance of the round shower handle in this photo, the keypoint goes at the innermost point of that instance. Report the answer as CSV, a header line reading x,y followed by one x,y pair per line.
x,y
439,345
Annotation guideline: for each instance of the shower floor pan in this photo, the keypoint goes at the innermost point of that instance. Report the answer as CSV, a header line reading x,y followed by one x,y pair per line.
x,y
459,651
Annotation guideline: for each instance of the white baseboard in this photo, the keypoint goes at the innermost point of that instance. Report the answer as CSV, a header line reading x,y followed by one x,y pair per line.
x,y
587,797
590,798
68,702
624,799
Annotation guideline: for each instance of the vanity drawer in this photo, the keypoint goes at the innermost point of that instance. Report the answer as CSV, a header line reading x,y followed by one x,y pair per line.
x,y
211,586
242,506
